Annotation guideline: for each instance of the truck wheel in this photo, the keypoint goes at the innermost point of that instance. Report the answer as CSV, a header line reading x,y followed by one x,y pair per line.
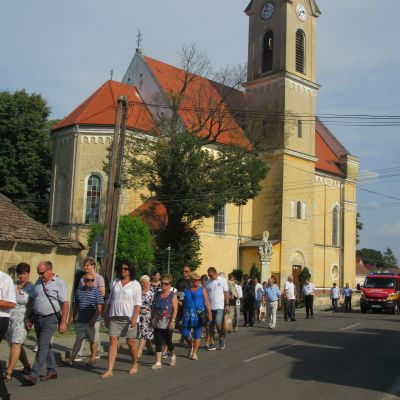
x,y
363,309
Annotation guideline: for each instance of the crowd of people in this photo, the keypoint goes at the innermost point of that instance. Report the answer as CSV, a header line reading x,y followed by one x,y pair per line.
x,y
144,311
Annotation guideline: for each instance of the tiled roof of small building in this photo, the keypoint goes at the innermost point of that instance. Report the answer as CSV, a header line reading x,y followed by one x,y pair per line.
x,y
16,226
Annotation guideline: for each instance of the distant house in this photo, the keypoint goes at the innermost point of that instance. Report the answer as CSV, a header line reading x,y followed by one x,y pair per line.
x,y
22,239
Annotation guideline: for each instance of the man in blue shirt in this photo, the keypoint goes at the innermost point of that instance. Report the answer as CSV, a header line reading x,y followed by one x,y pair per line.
x,y
272,297
347,292
88,304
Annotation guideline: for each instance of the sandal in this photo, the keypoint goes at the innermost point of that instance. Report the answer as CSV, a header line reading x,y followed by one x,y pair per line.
x,y
7,378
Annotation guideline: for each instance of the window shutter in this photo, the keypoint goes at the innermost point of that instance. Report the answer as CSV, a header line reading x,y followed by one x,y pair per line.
x,y
300,50
303,210
268,51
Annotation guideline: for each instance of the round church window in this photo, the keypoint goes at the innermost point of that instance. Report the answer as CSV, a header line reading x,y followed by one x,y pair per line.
x,y
335,272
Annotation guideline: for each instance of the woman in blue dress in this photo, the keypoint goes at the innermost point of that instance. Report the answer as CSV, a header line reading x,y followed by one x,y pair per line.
x,y
195,304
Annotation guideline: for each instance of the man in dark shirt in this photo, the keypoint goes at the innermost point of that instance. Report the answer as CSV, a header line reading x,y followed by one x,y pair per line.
x,y
182,284
248,300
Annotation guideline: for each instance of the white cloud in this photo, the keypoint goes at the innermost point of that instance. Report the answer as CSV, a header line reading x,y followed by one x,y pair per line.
x,y
392,229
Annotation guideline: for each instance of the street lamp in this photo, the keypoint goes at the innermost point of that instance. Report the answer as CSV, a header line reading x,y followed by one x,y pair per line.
x,y
169,259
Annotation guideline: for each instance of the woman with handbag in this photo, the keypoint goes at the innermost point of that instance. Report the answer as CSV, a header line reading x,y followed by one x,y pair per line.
x,y
196,313
17,333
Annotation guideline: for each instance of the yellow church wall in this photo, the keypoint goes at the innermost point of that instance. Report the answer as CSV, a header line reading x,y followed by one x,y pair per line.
x,y
297,234
218,251
267,212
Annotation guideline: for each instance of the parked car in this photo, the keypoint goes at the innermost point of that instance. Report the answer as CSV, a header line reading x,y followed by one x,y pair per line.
x,y
381,291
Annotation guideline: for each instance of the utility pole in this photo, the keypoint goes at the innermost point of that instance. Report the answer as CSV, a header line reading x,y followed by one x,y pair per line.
x,y
114,188
169,259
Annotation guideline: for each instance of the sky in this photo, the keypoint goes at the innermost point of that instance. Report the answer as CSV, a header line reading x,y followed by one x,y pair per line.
x,y
66,50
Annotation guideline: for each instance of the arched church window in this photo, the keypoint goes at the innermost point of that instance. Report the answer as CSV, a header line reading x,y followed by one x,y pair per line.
x,y
300,51
268,51
93,194
335,226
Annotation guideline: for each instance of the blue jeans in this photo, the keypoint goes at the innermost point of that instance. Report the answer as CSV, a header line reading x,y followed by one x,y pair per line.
x,y
44,329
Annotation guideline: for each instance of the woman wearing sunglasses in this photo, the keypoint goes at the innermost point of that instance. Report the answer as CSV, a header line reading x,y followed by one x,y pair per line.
x,y
121,316
196,313
165,307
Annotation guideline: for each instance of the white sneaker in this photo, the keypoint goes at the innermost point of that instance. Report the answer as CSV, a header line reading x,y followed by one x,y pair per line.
x,y
164,355
156,366
173,361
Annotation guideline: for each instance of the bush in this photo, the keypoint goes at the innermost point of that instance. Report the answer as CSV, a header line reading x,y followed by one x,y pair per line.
x,y
238,274
254,272
134,243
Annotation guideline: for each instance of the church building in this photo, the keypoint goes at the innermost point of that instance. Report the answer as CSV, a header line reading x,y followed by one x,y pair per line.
x,y
305,215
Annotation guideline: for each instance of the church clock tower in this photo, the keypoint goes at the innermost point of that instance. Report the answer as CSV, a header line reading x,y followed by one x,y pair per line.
x,y
281,90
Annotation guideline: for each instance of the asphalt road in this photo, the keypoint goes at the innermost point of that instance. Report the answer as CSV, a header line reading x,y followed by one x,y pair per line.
x,y
334,356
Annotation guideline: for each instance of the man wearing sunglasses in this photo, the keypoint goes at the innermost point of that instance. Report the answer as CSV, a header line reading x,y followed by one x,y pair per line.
x,y
48,307
87,308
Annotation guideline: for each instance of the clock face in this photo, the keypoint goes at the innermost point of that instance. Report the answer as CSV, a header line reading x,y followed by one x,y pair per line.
x,y
268,10
301,12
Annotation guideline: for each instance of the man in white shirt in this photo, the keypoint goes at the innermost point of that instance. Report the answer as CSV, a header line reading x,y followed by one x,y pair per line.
x,y
308,291
7,302
218,296
290,300
335,294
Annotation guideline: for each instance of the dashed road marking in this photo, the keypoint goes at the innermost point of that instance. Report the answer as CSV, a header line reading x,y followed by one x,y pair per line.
x,y
349,327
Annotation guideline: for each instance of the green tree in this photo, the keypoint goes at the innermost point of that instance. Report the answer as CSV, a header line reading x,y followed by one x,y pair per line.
x,y
359,227
25,152
238,274
134,243
303,276
389,259
371,256
254,272
177,170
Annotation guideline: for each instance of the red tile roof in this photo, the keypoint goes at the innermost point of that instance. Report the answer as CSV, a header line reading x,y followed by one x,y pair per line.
x,y
153,213
328,150
201,95
100,108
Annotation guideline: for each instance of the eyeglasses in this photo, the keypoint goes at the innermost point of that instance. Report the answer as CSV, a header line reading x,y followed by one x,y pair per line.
x,y
124,269
165,283
186,272
42,273
89,280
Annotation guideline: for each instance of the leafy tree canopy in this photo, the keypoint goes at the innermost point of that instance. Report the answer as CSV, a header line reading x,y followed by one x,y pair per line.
x,y
389,259
371,256
25,151
134,243
182,170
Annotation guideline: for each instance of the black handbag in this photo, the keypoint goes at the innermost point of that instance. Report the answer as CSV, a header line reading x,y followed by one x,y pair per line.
x,y
202,317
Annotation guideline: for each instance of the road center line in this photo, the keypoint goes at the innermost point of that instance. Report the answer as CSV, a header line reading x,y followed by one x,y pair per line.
x,y
349,327
268,353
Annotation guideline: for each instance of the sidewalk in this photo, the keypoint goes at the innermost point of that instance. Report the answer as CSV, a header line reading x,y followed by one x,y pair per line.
x,y
61,345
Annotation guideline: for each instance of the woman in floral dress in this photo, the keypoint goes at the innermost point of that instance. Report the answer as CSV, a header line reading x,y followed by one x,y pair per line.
x,y
145,331
16,333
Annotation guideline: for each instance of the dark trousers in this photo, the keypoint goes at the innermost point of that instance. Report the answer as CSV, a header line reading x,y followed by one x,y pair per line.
x,y
248,311
347,303
334,304
309,302
290,309
44,329
161,335
4,321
